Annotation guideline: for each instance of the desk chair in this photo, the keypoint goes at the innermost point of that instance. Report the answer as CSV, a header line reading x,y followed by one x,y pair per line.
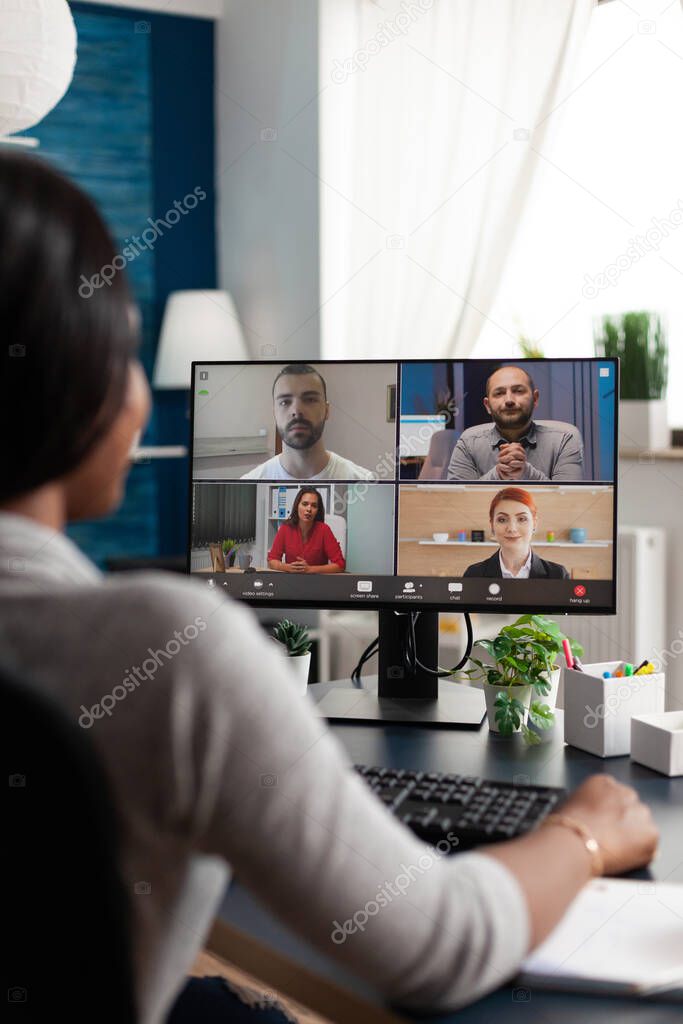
x,y
64,902
441,445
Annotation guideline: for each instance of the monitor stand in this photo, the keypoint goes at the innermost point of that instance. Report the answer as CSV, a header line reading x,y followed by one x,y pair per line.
x,y
397,695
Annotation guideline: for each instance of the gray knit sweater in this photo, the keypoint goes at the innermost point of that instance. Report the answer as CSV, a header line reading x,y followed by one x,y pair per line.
x,y
210,753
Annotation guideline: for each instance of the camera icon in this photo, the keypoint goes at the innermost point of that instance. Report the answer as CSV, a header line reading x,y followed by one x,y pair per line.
x,y
647,27
647,889
396,242
268,351
142,28
268,134
17,781
17,564
521,780
646,457
16,994
269,781
17,351
521,995
395,672
142,888
521,134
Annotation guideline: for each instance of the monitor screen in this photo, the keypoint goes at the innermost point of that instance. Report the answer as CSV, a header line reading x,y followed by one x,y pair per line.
x,y
473,485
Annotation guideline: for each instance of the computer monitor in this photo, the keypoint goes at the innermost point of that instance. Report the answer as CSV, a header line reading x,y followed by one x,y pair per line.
x,y
407,486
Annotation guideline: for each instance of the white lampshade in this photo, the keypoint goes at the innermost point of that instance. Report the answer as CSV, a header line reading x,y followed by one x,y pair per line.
x,y
37,59
199,325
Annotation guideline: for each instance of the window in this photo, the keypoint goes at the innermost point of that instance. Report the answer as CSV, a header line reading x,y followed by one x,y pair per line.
x,y
604,231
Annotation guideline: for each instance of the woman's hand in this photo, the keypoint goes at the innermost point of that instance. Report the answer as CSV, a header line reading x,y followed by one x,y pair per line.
x,y
617,819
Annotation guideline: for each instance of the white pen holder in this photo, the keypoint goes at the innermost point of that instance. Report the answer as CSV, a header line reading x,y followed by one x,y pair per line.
x,y
598,711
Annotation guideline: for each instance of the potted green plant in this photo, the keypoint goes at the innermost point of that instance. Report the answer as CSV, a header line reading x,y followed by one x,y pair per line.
x,y
522,669
296,642
229,548
639,340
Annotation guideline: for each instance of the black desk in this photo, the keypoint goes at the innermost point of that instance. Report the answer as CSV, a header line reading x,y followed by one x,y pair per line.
x,y
482,753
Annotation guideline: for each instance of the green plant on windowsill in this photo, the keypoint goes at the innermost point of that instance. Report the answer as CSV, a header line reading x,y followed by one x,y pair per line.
x,y
524,655
639,340
293,637
529,348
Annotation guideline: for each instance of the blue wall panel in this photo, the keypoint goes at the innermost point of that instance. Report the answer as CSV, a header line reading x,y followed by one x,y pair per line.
x,y
135,130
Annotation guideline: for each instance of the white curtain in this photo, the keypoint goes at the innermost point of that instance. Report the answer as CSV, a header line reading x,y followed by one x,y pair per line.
x,y
431,115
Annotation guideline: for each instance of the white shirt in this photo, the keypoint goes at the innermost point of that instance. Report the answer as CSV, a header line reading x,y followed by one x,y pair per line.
x,y
523,573
337,468
214,759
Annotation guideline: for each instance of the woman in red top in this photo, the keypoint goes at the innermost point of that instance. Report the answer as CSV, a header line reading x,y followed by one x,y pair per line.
x,y
305,540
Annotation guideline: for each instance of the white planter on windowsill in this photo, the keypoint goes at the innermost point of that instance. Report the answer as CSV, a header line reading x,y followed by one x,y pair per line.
x,y
643,424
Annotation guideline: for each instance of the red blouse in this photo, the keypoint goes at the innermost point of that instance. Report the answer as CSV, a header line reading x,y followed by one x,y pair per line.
x,y
320,548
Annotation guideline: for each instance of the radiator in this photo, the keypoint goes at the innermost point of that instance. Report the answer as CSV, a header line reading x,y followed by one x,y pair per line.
x,y
639,627
200,559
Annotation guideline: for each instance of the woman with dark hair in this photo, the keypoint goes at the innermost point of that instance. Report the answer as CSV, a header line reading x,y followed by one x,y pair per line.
x,y
185,736
305,541
513,518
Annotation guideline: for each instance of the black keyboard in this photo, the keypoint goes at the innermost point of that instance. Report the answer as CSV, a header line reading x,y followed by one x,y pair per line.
x,y
462,810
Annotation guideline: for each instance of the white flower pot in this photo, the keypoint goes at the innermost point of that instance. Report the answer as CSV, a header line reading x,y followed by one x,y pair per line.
x,y
643,424
521,693
551,698
301,666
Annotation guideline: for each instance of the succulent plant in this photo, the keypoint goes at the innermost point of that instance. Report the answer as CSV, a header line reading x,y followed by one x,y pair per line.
x,y
293,637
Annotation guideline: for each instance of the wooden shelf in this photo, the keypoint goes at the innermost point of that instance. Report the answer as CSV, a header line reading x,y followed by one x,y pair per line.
x,y
645,455
493,544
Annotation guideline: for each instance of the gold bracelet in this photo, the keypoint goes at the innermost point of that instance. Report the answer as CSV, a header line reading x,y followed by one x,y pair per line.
x,y
589,841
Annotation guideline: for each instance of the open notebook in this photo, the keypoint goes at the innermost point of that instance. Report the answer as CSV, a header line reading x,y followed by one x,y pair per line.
x,y
620,936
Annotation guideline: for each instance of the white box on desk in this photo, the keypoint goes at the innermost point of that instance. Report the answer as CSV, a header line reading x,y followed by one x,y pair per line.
x,y
657,742
598,712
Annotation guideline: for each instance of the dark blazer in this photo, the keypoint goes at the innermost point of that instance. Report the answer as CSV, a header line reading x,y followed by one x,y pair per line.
x,y
540,569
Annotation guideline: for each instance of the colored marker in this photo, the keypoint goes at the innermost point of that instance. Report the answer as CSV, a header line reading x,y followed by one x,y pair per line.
x,y
578,666
568,653
628,669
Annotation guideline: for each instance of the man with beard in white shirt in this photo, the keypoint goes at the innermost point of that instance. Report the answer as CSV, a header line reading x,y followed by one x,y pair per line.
x,y
301,410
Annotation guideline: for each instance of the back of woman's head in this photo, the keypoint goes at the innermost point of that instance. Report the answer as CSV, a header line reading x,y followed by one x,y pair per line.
x,y
65,356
